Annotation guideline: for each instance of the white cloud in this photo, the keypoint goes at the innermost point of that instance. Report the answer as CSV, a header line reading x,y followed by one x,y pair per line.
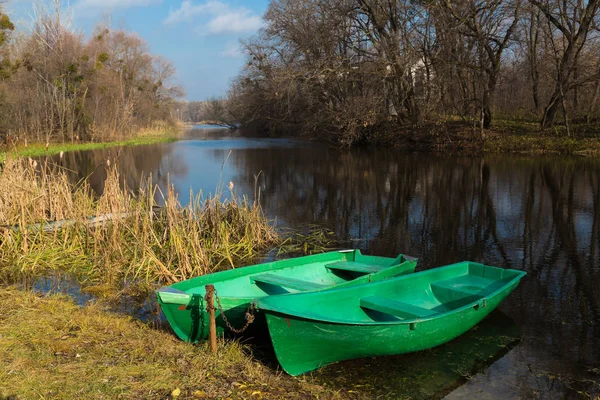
x,y
188,11
108,5
232,51
222,18
241,20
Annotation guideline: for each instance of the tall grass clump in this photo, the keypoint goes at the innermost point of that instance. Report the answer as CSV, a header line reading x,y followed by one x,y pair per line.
x,y
49,224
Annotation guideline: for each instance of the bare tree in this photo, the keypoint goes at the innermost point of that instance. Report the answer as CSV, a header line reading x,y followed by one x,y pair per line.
x,y
71,88
574,21
491,24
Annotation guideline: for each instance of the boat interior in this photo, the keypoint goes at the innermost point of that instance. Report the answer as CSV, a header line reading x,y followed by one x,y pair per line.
x,y
311,276
415,296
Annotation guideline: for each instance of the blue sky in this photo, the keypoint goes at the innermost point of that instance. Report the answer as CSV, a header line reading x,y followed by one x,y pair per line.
x,y
200,37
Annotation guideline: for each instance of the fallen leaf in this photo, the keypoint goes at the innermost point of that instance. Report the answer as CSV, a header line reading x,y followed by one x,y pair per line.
x,y
175,393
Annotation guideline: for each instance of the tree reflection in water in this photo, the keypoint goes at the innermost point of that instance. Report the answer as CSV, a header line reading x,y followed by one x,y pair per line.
x,y
539,214
135,164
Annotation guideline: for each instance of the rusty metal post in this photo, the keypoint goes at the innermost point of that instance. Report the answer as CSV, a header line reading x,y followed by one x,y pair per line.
x,y
210,307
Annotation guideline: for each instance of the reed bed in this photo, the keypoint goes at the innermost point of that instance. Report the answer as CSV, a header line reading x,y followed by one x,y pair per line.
x,y
46,225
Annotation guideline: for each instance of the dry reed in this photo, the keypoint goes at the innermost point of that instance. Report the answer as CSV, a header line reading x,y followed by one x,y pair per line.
x,y
135,244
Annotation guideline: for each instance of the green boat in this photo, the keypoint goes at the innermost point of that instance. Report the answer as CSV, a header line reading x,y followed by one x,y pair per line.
x,y
399,315
184,306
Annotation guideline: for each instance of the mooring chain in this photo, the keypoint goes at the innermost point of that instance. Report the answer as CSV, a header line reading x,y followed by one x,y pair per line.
x,y
249,315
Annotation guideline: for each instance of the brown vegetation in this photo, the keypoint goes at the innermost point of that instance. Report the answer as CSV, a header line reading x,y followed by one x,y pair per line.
x,y
355,68
45,227
57,85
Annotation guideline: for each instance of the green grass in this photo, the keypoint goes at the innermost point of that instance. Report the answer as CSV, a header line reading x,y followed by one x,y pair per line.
x,y
51,348
38,149
509,136
524,136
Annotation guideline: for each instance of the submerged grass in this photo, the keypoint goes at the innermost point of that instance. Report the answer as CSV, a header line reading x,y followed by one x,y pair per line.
x,y
306,240
51,348
133,243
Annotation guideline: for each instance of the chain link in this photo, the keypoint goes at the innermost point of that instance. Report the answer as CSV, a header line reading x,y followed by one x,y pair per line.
x,y
249,315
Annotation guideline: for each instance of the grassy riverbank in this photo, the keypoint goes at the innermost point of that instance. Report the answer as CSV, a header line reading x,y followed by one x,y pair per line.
x,y
51,348
506,136
160,133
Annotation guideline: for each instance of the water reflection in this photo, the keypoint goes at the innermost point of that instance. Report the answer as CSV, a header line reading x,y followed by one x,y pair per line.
x,y
135,165
538,214
427,374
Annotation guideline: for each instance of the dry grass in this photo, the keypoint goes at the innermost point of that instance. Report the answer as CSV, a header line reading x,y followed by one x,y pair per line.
x,y
137,245
50,348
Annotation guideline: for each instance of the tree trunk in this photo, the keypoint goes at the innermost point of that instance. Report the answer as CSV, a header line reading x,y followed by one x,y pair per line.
x,y
533,58
551,109
488,95
536,98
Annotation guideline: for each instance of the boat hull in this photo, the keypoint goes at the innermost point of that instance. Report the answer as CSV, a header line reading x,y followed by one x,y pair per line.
x,y
190,322
302,345
184,306
394,316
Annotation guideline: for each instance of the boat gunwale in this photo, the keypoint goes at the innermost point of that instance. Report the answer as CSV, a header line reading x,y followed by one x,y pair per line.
x,y
281,310
250,270
181,299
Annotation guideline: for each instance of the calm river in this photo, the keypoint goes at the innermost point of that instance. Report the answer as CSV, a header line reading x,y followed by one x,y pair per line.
x,y
538,214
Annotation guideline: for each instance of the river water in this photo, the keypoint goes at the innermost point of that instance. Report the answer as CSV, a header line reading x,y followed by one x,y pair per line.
x,y
539,214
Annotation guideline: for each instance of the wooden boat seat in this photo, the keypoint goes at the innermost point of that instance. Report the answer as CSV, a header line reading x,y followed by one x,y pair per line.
x,y
354,267
283,281
396,308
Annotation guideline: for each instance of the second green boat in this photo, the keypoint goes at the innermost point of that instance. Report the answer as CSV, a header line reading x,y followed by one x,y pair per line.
x,y
184,306
399,315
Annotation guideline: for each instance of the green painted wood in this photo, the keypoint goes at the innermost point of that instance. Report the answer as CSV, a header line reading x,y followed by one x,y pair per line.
x,y
183,302
310,330
396,308
354,266
283,281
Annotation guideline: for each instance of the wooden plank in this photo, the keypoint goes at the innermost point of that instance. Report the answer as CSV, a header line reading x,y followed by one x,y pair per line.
x,y
91,222
283,281
396,308
355,267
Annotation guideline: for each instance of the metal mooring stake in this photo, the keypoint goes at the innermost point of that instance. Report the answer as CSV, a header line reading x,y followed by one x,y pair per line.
x,y
210,307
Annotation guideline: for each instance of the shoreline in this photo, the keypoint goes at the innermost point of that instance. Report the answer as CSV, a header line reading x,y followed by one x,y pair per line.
x,y
456,137
39,149
507,137
462,138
